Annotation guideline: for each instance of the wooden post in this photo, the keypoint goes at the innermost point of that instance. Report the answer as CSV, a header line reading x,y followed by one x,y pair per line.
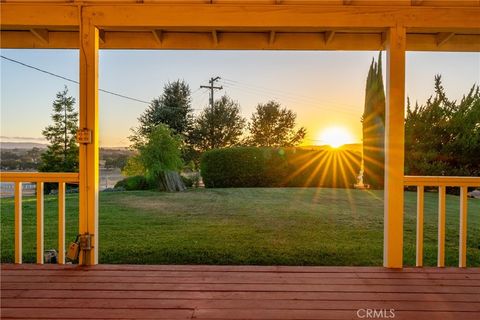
x,y
40,222
61,223
394,148
18,222
420,209
462,241
441,226
89,173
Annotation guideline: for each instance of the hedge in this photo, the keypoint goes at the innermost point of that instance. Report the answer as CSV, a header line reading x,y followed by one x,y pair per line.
x,y
279,167
133,183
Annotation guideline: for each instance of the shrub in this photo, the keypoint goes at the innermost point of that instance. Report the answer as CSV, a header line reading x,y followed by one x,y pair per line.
x,y
133,183
279,167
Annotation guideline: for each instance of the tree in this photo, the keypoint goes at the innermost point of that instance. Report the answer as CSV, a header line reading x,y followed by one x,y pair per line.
x,y
274,126
62,152
218,126
172,108
373,123
442,137
159,159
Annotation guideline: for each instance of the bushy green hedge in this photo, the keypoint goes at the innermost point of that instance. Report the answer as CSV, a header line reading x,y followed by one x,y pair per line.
x,y
133,183
279,167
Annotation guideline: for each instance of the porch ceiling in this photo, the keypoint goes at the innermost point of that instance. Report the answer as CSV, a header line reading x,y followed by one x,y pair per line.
x,y
243,24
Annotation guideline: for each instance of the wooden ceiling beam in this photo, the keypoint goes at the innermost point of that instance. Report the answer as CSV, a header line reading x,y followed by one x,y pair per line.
x,y
239,41
220,16
290,17
38,15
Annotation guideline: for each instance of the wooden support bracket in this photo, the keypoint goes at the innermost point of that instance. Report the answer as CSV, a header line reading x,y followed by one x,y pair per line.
x,y
443,37
158,35
215,37
41,34
101,36
271,40
329,35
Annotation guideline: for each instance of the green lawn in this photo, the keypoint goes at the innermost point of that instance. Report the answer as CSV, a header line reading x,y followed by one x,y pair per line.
x,y
287,226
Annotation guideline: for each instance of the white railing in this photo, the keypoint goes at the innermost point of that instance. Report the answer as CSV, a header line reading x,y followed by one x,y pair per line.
x,y
442,182
39,178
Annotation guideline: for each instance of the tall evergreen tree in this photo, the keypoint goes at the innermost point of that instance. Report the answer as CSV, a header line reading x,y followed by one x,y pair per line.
x,y
172,108
62,152
373,123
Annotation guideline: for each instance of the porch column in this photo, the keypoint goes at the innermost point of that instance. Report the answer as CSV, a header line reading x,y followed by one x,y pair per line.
x,y
89,153
394,148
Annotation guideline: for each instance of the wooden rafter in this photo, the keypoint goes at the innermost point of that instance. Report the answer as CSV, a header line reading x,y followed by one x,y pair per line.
x,y
41,34
443,37
158,35
383,39
271,39
101,36
215,37
329,35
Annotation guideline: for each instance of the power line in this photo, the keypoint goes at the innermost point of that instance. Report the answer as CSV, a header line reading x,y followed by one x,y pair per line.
x,y
71,80
309,104
285,94
212,88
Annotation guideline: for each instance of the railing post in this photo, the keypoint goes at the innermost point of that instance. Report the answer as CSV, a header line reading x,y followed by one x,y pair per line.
x,y
462,243
61,223
88,188
420,209
18,222
441,226
40,222
394,148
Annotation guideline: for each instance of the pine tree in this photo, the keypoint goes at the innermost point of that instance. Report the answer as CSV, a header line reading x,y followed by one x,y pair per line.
x,y
62,152
373,122
173,108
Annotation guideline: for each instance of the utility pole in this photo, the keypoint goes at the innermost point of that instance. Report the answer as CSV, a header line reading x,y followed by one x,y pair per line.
x,y
212,88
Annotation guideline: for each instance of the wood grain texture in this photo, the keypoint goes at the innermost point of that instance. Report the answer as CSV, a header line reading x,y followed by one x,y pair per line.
x,y
236,292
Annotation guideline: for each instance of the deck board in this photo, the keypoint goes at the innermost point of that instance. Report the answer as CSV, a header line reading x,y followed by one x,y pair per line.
x,y
235,292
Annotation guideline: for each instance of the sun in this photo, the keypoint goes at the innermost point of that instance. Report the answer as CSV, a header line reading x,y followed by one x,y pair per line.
x,y
335,136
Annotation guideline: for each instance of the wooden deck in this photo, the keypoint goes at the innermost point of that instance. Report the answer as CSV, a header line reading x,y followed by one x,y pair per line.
x,y
237,292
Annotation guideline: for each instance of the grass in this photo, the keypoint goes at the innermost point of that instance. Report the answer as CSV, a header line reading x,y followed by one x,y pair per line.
x,y
286,226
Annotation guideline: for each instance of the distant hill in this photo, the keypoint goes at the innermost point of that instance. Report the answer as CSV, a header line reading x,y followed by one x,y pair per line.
x,y
21,145
31,145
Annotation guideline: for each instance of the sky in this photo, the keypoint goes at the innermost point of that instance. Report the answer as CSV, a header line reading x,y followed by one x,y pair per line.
x,y
325,88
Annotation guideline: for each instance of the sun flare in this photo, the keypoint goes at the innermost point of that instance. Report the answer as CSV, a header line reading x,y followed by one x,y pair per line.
x,y
336,136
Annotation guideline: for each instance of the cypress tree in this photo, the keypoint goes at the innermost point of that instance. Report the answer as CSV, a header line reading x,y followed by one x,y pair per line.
x,y
373,123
